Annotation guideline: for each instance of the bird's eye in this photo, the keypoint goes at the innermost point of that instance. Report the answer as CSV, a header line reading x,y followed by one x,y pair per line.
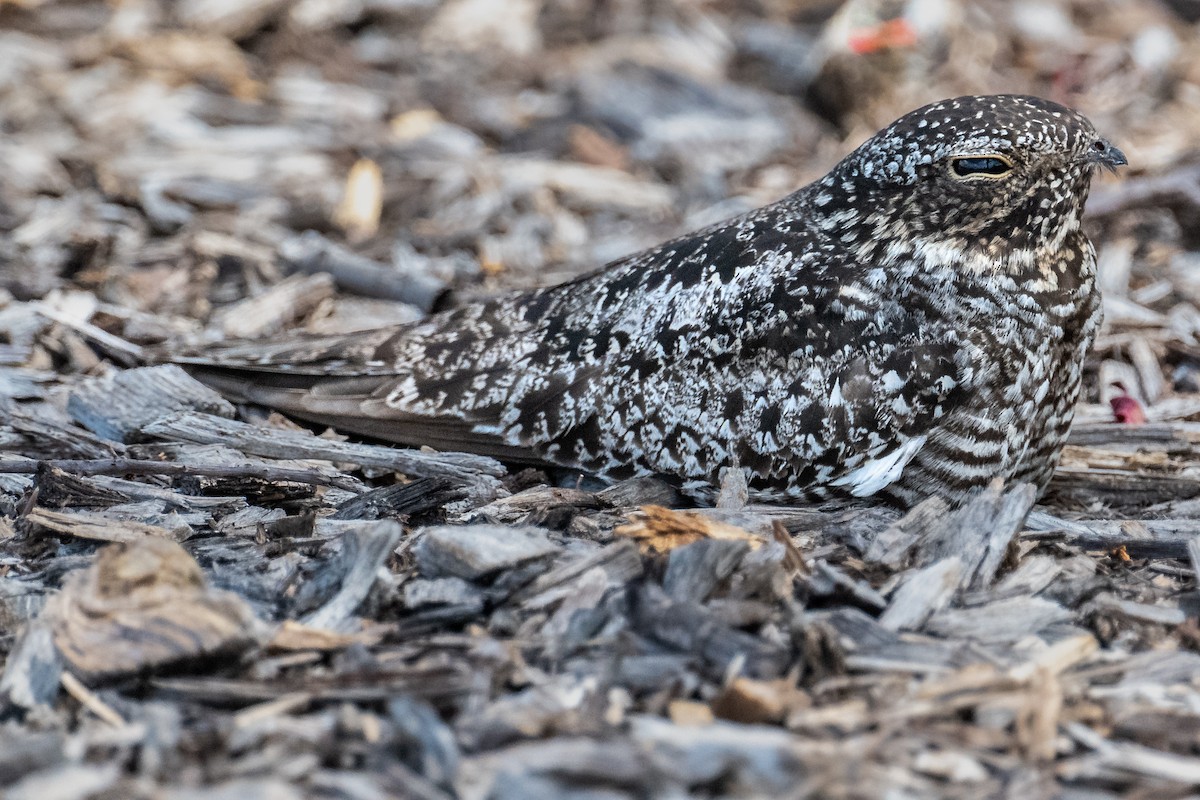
x,y
991,166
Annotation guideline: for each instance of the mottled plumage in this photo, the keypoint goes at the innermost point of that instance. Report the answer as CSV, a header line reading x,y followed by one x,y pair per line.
x,y
913,323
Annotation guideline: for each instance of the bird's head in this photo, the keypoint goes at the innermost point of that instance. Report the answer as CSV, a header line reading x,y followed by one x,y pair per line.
x,y
994,173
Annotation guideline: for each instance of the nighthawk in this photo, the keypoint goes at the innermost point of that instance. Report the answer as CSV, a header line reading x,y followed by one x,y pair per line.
x,y
913,323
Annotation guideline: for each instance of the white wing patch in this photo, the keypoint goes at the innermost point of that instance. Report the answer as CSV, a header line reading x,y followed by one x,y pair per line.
x,y
879,472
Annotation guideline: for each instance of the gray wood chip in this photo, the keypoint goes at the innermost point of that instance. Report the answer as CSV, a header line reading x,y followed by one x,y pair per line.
x,y
1001,622
476,551
278,443
922,593
119,405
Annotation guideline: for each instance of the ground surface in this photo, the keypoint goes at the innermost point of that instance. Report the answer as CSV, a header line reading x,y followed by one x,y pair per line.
x,y
241,608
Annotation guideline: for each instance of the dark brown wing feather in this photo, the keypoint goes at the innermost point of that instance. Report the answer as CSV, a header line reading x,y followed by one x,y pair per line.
x,y
358,404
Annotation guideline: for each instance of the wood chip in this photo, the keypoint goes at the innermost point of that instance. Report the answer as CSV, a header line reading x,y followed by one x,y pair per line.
x,y
476,551
275,443
95,526
143,606
660,530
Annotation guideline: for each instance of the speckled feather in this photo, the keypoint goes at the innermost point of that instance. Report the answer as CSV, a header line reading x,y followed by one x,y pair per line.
x,y
889,329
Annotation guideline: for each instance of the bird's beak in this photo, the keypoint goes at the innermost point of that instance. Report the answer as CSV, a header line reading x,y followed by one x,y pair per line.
x,y
1105,155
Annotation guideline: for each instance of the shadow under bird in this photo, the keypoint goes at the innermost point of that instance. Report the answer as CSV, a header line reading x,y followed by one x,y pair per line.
x,y
913,323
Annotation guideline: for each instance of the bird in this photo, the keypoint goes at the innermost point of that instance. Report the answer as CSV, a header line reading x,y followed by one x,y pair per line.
x,y
912,324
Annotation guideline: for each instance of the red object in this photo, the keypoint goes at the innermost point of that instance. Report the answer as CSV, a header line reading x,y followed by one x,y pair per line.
x,y
890,33
1126,409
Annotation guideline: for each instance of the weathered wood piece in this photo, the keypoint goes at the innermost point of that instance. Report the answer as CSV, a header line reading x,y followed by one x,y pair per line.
x,y
694,571
400,499
892,546
313,254
98,527
32,668
1150,538
118,405
142,606
979,532
277,443
1000,622
129,466
275,309
689,628
922,593
477,551
47,436
364,551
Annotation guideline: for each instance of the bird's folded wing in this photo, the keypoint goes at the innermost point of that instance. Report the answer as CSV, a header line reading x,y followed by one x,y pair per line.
x,y
357,404
357,392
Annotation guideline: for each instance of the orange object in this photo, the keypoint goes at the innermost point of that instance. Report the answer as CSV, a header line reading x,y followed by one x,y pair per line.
x,y
889,33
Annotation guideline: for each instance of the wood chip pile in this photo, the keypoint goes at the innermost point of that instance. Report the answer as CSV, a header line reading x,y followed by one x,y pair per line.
x,y
200,601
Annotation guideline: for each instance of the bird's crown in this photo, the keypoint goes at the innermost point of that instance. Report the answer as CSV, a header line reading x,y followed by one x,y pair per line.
x,y
1010,129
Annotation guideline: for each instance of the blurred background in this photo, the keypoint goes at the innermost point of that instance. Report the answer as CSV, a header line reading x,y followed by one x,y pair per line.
x,y
203,168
